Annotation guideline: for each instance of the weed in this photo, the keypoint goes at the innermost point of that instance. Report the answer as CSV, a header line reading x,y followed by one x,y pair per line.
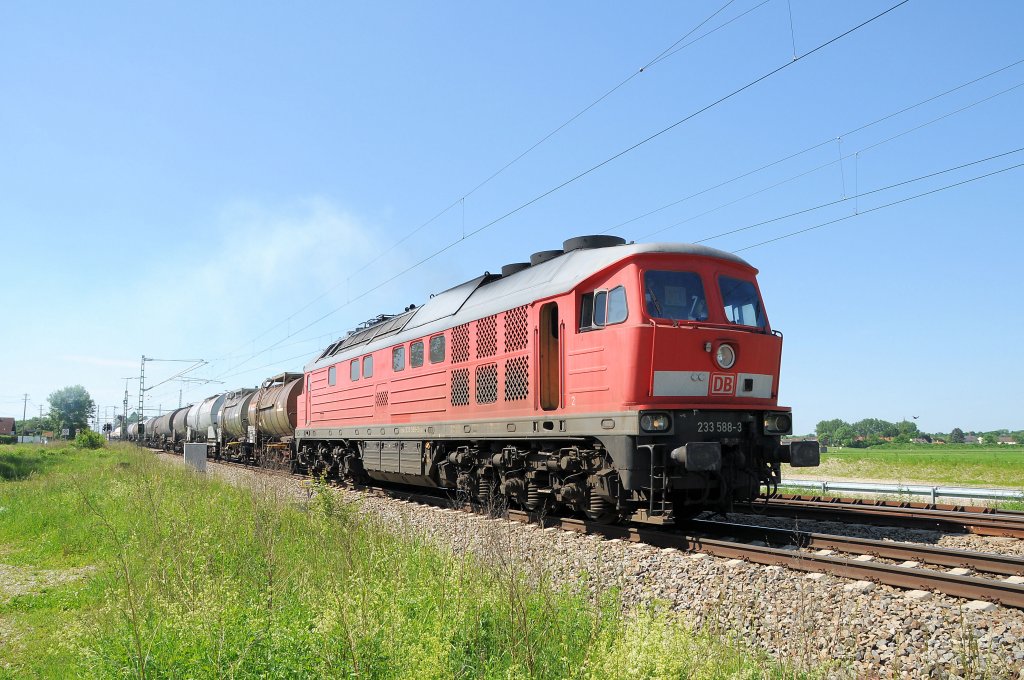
x,y
193,577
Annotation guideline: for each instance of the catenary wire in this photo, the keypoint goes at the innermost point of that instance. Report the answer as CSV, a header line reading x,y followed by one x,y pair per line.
x,y
859,195
829,164
665,54
582,174
881,207
813,147
752,226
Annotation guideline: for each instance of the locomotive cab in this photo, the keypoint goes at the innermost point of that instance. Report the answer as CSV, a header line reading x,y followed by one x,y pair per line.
x,y
704,384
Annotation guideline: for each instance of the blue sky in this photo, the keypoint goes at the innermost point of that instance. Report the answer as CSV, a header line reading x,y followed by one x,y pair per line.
x,y
208,180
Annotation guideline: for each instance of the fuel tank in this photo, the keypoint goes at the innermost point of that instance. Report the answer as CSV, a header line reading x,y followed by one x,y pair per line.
x,y
178,425
273,409
234,419
205,415
162,426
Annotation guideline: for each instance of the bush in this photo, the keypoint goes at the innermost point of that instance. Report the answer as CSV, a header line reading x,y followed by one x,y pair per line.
x,y
8,439
87,439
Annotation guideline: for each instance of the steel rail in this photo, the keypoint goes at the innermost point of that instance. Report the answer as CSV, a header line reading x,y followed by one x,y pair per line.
x,y
992,563
843,510
971,587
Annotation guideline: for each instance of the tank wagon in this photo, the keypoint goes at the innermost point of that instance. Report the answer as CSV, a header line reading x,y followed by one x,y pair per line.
x,y
259,425
203,420
605,378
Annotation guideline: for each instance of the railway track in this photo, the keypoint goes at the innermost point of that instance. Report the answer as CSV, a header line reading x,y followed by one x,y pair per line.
x,y
798,550
1008,592
948,518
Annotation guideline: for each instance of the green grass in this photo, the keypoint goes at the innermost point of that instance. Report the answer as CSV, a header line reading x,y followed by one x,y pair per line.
x,y
951,465
194,578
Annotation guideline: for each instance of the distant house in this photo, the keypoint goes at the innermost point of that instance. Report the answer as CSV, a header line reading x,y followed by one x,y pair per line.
x,y
920,440
6,426
1007,440
972,439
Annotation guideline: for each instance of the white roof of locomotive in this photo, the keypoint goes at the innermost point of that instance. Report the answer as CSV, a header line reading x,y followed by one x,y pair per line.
x,y
483,296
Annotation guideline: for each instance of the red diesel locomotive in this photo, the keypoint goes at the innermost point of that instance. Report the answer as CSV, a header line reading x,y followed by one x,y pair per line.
x,y
607,378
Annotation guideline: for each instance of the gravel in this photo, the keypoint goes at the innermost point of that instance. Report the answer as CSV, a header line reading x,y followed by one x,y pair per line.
x,y
807,622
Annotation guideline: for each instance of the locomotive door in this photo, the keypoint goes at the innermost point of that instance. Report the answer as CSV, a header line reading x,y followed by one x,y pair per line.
x,y
308,396
550,370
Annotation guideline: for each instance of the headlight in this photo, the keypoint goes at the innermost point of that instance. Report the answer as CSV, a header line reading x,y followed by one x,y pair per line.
x,y
654,422
725,357
778,423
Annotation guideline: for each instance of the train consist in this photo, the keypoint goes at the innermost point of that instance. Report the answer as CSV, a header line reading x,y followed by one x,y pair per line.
x,y
604,378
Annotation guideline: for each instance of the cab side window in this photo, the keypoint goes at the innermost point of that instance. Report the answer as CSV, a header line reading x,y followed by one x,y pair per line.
x,y
353,371
618,311
398,359
416,354
331,375
602,308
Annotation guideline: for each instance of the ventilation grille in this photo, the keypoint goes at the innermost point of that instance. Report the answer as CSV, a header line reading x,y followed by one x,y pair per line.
x,y
487,384
517,379
460,387
381,399
516,332
487,337
460,344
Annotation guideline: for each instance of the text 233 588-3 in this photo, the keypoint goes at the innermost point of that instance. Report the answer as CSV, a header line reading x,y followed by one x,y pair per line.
x,y
715,426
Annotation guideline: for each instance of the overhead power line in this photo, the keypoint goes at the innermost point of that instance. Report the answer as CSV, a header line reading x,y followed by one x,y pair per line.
x,y
854,197
577,177
667,53
818,145
829,164
882,207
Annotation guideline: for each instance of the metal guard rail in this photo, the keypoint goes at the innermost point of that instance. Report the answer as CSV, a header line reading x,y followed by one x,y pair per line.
x,y
933,492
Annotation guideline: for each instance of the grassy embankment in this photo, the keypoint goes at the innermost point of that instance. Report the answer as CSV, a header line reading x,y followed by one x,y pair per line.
x,y
189,577
967,465
950,465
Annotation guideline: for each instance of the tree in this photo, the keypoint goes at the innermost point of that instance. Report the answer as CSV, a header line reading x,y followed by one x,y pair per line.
x,y
826,430
990,439
34,425
70,407
844,435
908,428
875,428
956,436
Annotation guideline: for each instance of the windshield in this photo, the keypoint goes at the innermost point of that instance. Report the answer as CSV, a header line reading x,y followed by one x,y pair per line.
x,y
742,304
675,295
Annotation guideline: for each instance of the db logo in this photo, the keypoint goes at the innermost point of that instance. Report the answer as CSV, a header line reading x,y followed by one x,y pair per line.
x,y
723,383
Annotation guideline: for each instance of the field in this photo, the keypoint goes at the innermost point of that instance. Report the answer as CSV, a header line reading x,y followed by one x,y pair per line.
x,y
967,465
114,563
